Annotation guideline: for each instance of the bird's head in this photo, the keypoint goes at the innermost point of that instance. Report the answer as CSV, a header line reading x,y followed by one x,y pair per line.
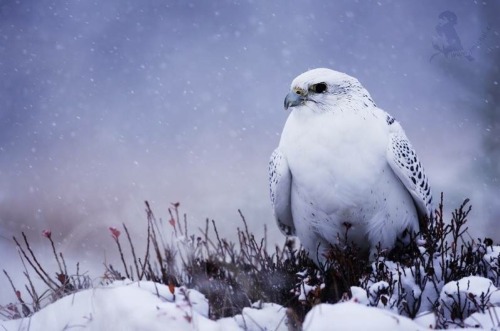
x,y
323,88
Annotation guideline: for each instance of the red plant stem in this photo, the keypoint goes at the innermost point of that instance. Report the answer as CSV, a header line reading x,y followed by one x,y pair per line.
x,y
121,256
55,254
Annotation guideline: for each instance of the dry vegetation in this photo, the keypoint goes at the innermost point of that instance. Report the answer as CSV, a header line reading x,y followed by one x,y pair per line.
x,y
232,275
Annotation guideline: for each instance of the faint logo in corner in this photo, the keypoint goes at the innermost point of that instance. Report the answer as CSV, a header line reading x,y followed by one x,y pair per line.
x,y
447,41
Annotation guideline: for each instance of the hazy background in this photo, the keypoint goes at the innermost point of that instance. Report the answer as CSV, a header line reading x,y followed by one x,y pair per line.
x,y
105,104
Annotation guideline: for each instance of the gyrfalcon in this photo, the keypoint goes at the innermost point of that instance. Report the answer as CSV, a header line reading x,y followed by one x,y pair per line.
x,y
344,164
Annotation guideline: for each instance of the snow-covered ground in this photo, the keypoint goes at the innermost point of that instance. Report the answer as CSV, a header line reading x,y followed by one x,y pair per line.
x,y
127,305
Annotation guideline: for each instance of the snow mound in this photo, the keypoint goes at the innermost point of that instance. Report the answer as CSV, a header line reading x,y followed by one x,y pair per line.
x,y
126,305
266,316
353,316
462,298
122,306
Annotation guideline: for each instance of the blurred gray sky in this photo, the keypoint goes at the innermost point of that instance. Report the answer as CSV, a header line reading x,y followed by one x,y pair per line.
x,y
105,104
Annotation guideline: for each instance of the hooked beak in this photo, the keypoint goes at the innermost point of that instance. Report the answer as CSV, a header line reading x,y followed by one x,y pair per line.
x,y
293,99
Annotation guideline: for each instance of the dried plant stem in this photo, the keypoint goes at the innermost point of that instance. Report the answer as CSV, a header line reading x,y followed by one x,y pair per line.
x,y
55,254
133,251
117,241
146,257
38,268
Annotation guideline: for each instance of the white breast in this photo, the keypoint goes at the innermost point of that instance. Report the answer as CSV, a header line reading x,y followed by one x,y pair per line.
x,y
340,175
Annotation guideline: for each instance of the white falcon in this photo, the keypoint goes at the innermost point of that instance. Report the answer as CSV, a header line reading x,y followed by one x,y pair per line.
x,y
343,163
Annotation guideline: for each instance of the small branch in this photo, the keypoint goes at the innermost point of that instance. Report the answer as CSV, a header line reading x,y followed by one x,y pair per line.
x,y
133,251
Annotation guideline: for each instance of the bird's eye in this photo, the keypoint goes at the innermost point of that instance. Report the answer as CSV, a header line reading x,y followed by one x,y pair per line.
x,y
318,88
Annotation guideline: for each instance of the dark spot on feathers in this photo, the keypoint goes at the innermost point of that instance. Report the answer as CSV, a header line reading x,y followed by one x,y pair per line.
x,y
389,119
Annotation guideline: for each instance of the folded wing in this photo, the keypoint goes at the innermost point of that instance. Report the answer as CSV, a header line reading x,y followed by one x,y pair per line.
x,y
280,180
404,162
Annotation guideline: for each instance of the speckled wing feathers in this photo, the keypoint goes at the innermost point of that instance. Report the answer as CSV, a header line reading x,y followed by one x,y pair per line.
x,y
405,164
280,180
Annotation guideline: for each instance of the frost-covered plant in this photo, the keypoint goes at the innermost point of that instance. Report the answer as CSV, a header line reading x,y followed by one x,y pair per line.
x,y
460,299
416,277
410,279
427,275
60,285
232,275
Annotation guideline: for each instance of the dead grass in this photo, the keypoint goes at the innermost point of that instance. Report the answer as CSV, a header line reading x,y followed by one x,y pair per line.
x,y
234,274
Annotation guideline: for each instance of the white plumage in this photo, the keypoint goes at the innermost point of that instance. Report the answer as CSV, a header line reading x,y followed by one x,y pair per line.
x,y
341,163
